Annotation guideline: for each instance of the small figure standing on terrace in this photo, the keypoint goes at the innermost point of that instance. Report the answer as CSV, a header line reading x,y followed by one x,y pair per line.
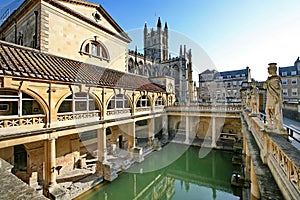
x,y
273,109
254,99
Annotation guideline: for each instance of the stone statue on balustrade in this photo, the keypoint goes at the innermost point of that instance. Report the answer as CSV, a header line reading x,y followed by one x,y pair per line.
x,y
254,93
273,109
248,99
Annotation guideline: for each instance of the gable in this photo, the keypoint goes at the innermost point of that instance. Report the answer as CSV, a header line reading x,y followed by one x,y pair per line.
x,y
91,13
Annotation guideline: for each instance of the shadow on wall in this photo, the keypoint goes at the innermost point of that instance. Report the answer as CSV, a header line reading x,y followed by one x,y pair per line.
x,y
291,114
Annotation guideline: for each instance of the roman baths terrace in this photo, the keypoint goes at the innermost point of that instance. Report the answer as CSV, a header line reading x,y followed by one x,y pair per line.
x,y
80,112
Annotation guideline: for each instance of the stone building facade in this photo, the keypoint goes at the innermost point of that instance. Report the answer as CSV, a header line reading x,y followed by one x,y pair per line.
x,y
290,77
66,96
222,87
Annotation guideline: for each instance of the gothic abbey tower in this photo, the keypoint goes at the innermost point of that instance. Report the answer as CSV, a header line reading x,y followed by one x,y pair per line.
x,y
156,42
156,62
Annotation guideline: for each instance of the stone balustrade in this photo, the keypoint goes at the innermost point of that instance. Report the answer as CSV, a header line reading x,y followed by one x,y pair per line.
x,y
28,120
77,116
117,111
143,109
278,154
206,108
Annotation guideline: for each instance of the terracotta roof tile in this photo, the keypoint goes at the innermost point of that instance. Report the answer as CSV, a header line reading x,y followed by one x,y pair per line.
x,y
24,62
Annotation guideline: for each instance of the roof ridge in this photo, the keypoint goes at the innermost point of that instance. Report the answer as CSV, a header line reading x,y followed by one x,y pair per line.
x,y
82,2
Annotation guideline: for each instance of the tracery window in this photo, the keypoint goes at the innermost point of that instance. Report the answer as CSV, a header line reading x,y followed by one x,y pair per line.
x,y
78,102
118,101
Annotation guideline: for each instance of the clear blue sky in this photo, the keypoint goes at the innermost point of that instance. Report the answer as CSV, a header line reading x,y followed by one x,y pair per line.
x,y
233,33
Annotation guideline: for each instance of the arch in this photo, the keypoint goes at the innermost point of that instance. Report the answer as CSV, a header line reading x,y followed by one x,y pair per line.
x,y
78,102
20,103
94,47
118,101
39,99
160,101
143,101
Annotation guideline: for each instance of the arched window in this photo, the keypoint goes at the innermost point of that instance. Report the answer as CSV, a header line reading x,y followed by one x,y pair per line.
x,y
143,101
18,104
118,101
78,102
96,49
159,101
130,66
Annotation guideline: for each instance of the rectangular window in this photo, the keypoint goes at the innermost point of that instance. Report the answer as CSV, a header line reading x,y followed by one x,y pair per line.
x,y
293,73
237,76
294,81
283,73
285,92
284,82
294,91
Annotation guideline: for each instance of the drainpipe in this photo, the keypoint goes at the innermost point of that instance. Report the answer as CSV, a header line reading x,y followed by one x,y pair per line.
x,y
36,30
16,33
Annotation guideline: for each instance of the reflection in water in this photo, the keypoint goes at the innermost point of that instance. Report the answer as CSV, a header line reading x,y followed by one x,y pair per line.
x,y
188,177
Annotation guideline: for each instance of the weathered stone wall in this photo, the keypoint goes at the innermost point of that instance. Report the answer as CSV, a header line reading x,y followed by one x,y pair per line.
x,y
7,154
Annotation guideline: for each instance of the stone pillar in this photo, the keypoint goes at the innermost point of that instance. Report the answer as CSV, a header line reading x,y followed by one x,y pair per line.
x,y
101,141
151,125
53,161
255,193
102,153
50,162
213,132
131,135
165,126
187,129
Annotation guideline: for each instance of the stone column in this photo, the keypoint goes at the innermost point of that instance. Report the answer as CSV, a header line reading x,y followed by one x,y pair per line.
x,y
165,126
102,153
151,125
101,141
53,161
187,129
131,135
255,193
50,162
213,132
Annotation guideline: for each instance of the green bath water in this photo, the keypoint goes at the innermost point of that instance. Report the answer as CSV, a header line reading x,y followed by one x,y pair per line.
x,y
176,172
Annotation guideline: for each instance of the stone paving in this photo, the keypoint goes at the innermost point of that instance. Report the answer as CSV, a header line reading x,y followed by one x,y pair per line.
x,y
14,188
